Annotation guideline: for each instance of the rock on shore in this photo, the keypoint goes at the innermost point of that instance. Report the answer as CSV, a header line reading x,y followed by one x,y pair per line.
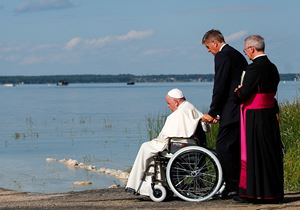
x,y
119,174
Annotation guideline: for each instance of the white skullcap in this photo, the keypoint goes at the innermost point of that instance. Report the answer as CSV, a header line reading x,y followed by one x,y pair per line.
x,y
175,93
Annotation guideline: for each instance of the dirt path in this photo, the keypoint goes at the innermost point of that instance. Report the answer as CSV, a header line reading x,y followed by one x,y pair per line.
x,y
118,199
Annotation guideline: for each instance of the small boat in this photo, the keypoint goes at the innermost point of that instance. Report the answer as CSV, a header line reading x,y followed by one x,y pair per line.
x,y
62,83
130,83
8,85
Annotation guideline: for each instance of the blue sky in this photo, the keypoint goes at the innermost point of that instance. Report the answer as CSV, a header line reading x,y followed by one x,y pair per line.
x,y
142,37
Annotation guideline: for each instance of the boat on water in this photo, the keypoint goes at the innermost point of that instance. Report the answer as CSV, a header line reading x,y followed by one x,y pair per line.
x,y
130,83
8,85
62,83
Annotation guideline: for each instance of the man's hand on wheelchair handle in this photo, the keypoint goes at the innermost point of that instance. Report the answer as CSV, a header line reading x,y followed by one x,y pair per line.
x,y
209,119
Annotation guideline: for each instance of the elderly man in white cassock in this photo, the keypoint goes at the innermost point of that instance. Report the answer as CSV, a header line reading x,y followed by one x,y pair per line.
x,y
182,122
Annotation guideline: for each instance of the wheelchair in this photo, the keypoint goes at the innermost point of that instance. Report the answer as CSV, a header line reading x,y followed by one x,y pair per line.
x,y
186,170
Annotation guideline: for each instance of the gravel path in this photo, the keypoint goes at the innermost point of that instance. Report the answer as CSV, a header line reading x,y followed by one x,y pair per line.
x,y
119,199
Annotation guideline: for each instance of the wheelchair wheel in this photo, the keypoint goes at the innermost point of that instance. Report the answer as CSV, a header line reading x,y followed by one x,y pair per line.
x,y
158,193
194,173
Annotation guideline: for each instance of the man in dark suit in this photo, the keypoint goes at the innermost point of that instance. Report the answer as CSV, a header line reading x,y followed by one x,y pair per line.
x,y
224,108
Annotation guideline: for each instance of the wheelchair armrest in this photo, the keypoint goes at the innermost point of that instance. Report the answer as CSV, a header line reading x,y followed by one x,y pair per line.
x,y
176,143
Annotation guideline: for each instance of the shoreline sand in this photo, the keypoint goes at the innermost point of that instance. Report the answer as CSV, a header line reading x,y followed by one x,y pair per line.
x,y
117,198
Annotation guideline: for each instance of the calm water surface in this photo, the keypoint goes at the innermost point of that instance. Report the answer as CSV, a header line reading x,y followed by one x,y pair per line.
x,y
99,124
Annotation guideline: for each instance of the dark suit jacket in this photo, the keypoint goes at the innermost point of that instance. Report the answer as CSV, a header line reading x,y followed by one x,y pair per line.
x,y
229,65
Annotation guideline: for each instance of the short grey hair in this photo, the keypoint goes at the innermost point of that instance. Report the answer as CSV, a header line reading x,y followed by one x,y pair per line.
x,y
213,34
255,41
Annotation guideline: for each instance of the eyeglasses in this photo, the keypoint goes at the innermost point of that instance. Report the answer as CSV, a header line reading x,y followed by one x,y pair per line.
x,y
245,49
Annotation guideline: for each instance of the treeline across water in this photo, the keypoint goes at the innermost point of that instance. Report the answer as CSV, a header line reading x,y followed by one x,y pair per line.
x,y
120,78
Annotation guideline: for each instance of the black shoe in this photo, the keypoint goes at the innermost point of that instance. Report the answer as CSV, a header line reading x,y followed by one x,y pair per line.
x,y
216,196
239,199
232,194
130,190
228,195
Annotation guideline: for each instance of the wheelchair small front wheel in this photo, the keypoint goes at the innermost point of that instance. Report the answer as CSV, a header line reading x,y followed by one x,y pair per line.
x,y
158,193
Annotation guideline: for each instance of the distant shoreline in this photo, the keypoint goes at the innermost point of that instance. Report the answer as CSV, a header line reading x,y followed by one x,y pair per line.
x,y
120,78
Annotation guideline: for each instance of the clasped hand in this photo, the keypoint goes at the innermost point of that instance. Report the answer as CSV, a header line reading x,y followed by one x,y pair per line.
x,y
209,119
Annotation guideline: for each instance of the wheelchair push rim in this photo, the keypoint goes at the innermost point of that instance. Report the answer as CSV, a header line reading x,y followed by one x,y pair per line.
x,y
194,173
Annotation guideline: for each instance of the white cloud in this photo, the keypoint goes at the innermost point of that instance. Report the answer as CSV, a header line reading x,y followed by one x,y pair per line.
x,y
42,5
235,36
98,42
73,43
135,35
27,54
102,41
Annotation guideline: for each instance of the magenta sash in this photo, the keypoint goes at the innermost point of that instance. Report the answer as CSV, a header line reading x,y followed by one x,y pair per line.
x,y
258,101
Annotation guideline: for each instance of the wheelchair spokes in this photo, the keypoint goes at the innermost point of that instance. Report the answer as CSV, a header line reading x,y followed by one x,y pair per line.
x,y
194,174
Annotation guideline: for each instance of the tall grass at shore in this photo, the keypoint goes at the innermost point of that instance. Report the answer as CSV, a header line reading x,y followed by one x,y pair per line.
x,y
290,134
155,124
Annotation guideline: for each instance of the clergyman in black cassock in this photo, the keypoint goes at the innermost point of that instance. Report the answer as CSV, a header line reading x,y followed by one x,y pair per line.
x,y
261,177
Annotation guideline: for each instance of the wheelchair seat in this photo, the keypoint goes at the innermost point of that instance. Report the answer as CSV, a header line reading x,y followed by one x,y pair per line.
x,y
175,144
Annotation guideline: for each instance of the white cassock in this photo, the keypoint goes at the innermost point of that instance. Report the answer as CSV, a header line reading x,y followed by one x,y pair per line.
x,y
181,123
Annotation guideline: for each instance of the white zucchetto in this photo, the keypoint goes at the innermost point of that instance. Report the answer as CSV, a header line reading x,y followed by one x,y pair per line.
x,y
175,93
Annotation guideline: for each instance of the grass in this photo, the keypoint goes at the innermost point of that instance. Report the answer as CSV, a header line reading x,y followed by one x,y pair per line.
x,y
290,135
155,124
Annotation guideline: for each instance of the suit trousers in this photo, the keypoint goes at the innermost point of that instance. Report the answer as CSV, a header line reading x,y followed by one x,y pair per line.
x,y
143,159
228,151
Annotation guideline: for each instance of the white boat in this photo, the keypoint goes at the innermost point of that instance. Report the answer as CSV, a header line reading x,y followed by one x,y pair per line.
x,y
8,85
62,83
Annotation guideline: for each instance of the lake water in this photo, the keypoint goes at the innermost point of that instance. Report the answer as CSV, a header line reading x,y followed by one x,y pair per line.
x,y
99,124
